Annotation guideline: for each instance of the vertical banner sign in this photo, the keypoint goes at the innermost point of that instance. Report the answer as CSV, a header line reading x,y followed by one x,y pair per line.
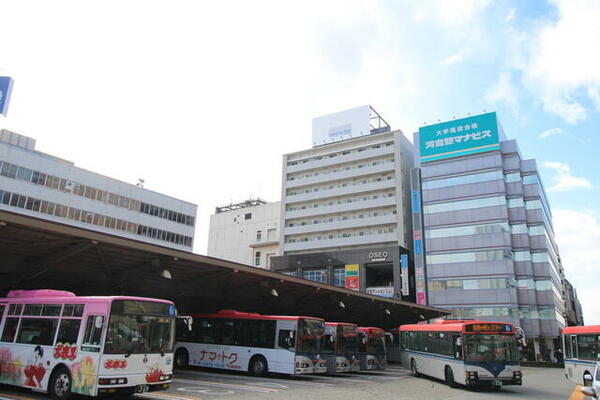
x,y
404,269
5,89
352,278
417,219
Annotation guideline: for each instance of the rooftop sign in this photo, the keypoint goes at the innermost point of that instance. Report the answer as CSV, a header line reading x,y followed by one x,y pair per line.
x,y
459,137
6,83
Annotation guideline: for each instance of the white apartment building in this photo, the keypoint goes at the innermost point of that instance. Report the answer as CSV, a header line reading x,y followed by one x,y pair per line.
x,y
348,193
44,186
245,232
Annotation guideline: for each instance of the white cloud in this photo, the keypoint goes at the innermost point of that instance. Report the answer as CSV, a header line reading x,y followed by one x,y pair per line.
x,y
561,58
552,132
594,95
503,91
510,16
564,180
577,235
453,59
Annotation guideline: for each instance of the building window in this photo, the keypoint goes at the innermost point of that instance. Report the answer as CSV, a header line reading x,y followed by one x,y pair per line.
x,y
339,277
258,235
315,275
257,259
248,216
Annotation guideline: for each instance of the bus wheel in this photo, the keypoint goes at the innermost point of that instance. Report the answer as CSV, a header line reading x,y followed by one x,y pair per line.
x,y
413,367
449,375
181,358
59,384
258,366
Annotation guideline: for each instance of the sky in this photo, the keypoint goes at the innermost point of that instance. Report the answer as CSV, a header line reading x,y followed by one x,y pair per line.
x,y
201,99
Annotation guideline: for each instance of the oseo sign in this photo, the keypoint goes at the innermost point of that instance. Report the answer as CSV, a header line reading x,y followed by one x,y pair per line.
x,y
378,255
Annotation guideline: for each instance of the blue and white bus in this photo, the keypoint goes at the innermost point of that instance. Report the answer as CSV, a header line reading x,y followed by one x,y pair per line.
x,y
470,353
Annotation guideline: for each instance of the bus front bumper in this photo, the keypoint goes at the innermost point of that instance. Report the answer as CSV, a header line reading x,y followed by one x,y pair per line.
x,y
104,390
493,382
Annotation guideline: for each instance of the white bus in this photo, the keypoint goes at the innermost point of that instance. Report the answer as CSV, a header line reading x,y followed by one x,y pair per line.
x,y
471,353
54,341
250,342
340,347
581,349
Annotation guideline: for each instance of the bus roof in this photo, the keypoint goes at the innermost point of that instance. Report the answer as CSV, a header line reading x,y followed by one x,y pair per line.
x,y
244,315
50,295
339,323
581,329
454,326
370,330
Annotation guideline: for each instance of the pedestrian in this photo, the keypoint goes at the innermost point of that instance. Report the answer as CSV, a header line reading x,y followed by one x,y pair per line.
x,y
558,355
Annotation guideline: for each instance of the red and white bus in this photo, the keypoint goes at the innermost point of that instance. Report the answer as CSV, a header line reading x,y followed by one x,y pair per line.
x,y
371,348
340,347
250,342
581,349
470,353
56,342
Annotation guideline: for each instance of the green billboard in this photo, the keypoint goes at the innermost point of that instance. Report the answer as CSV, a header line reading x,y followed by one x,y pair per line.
x,y
459,137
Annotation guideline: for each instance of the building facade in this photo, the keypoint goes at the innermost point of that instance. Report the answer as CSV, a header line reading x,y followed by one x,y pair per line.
x,y
48,187
573,311
345,199
245,232
489,247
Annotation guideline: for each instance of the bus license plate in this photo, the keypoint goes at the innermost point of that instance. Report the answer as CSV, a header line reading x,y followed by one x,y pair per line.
x,y
141,388
497,383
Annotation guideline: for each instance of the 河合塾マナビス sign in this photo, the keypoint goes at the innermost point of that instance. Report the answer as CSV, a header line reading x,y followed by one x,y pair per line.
x,y
5,89
459,137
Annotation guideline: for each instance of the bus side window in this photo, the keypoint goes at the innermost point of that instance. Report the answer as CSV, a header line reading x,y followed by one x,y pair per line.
x,y
10,330
37,331
286,339
93,330
574,345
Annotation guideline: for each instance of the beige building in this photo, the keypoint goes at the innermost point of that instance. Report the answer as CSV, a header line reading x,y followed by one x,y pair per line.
x,y
245,232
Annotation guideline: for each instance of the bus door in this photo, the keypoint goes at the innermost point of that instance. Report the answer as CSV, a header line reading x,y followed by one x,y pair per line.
x,y
84,381
457,347
573,344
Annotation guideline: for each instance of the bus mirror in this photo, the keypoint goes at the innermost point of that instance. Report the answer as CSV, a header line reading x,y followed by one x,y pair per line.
x,y
589,391
98,322
588,377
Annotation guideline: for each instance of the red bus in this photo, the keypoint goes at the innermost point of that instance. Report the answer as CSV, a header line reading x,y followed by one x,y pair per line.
x,y
250,342
581,349
340,346
471,353
371,348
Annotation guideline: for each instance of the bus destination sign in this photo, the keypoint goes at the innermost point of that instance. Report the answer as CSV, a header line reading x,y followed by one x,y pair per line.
x,y
485,328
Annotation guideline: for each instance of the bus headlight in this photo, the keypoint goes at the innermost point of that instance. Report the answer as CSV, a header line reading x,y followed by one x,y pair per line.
x,y
517,375
471,374
112,381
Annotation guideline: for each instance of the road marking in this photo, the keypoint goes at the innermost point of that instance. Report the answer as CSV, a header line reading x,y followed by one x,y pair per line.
x,y
13,397
227,385
577,395
167,396
339,378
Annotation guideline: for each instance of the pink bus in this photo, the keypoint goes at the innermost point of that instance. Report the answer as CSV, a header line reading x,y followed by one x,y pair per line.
x,y
54,341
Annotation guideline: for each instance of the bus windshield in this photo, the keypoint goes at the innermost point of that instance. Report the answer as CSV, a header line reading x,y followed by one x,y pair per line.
x,y
140,327
310,334
482,348
347,339
375,344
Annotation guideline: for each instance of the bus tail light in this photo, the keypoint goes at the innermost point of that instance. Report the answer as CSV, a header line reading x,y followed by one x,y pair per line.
x,y
112,381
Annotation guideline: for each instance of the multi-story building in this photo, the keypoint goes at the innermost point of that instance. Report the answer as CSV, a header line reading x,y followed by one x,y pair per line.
x,y
489,247
573,311
48,187
245,232
345,205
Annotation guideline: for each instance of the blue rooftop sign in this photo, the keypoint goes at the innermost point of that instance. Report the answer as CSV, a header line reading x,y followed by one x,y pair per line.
x,y
459,137
5,89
